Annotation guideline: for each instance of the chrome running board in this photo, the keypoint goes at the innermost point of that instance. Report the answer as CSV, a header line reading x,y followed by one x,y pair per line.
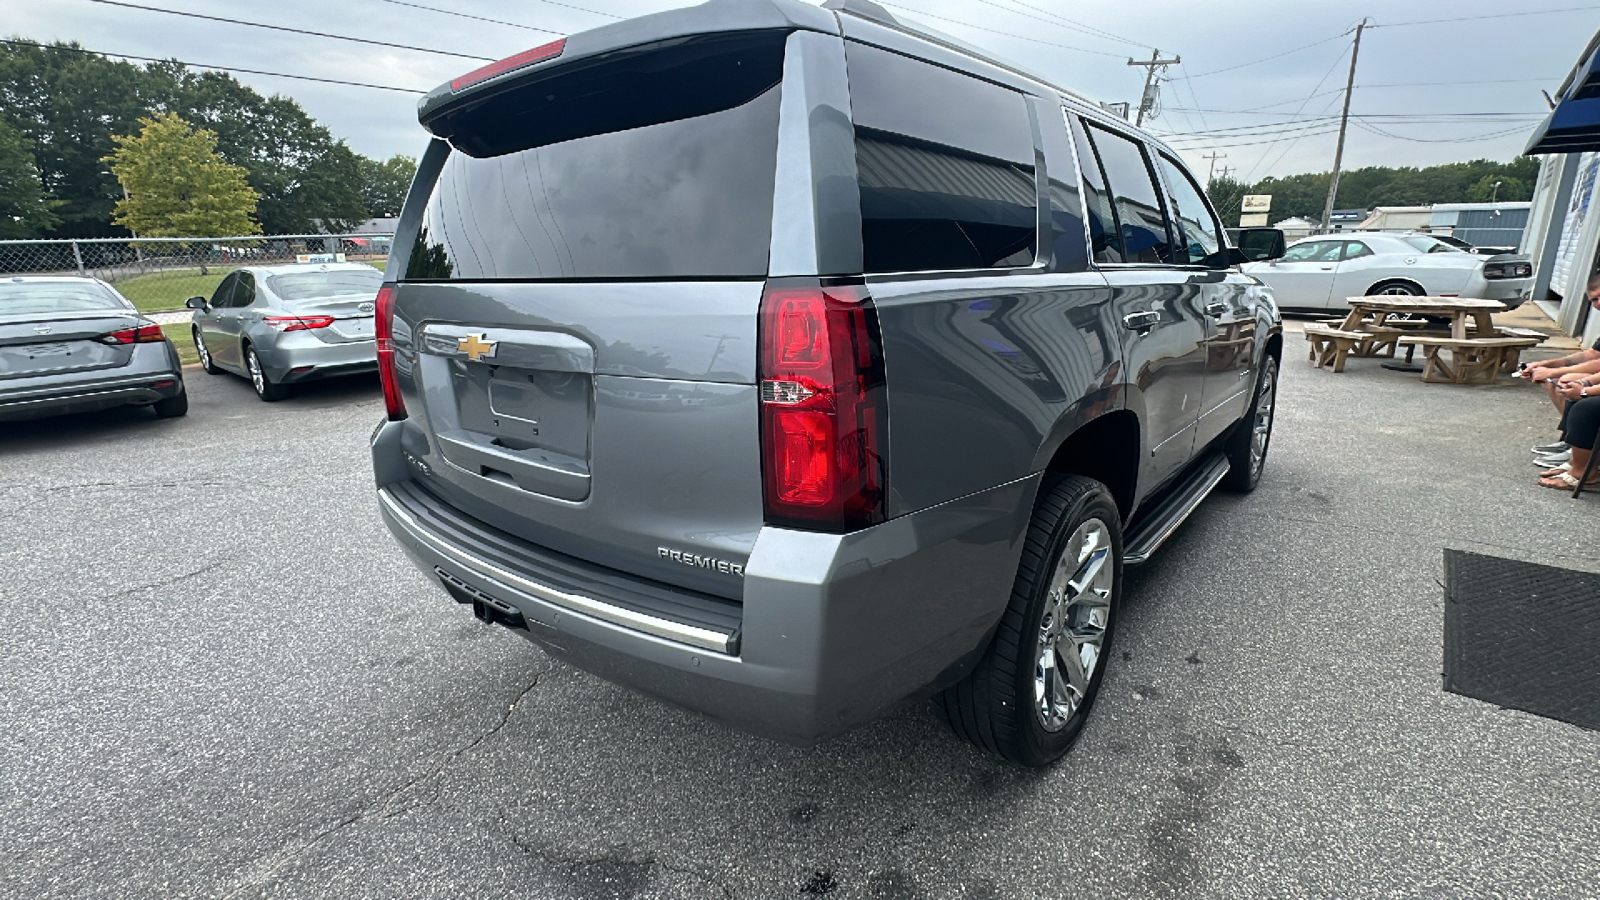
x,y
1153,529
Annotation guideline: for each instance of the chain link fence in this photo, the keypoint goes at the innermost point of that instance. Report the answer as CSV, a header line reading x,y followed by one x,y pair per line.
x,y
160,273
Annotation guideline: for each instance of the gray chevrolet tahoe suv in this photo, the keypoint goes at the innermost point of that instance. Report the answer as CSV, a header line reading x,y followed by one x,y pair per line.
x,y
785,362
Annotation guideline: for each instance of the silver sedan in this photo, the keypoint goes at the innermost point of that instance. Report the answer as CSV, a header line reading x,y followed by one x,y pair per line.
x,y
278,325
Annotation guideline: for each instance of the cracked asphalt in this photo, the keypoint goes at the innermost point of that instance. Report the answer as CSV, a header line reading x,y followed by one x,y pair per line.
x,y
219,678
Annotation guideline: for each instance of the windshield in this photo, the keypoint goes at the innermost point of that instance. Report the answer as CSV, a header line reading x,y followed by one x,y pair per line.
x,y
56,296
342,283
1430,245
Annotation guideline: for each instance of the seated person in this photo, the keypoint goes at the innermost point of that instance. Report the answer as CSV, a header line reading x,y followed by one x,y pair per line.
x,y
1580,427
1548,373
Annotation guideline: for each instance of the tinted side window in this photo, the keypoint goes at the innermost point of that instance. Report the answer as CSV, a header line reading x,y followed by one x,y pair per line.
x,y
224,292
1104,237
1313,251
945,166
245,293
1197,230
1134,196
1355,249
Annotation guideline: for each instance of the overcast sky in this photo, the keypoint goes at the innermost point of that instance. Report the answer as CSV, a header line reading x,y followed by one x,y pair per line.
x,y
1406,77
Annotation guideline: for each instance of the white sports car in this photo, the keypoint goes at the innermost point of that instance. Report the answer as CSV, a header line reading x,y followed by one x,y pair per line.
x,y
1318,273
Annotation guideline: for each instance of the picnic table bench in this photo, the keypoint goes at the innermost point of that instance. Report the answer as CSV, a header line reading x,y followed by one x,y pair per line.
x,y
1378,326
1472,360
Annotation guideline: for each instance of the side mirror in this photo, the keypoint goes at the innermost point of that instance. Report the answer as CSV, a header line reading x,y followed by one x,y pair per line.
x,y
195,303
1260,244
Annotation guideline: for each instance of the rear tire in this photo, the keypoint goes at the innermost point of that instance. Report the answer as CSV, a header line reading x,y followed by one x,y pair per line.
x,y
266,388
1247,446
1396,288
1030,694
172,407
206,363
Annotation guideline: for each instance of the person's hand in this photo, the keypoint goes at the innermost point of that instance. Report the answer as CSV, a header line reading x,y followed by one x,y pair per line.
x,y
1571,387
1538,373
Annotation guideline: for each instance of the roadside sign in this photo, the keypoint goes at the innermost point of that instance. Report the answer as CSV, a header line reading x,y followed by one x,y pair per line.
x,y
1256,203
1253,220
319,257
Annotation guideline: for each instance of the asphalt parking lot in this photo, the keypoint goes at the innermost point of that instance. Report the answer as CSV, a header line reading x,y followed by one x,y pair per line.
x,y
220,678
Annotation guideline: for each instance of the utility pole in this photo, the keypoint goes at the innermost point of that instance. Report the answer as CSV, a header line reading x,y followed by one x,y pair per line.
x,y
1344,120
1213,156
1147,99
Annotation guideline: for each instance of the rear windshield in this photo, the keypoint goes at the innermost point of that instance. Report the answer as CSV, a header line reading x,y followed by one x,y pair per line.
x,y
658,165
345,283
56,296
1430,245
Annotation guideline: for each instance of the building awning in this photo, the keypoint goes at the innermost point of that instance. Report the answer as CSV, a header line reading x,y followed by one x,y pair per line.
x,y
1574,125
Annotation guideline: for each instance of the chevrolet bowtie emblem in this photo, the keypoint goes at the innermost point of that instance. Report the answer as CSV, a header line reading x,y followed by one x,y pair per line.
x,y
477,346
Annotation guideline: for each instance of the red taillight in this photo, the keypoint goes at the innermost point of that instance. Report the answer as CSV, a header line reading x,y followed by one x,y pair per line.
x,y
296,323
383,327
144,334
525,58
823,412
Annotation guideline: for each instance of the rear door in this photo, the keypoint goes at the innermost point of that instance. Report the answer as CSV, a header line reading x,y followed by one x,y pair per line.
x,y
1159,303
575,322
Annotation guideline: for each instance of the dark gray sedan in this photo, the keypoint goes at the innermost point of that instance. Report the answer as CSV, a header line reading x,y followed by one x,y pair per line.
x,y
70,344
278,325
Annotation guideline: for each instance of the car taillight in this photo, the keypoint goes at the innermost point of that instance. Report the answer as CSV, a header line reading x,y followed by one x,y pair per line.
x,y
525,58
824,414
1508,270
296,323
144,334
383,326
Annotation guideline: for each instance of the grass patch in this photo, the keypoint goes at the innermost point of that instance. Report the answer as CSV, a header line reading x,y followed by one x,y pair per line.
x,y
167,290
158,291
178,333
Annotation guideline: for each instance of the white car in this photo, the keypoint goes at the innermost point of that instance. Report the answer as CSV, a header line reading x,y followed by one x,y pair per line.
x,y
1318,273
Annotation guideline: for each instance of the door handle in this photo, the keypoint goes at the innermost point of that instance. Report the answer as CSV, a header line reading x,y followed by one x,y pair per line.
x,y
1327,268
1216,308
1141,321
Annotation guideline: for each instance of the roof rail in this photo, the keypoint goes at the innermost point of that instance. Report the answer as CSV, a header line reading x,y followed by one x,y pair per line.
x,y
872,12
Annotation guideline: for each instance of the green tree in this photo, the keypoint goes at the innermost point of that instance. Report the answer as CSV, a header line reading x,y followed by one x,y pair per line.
x,y
1511,188
68,104
384,184
24,211
177,185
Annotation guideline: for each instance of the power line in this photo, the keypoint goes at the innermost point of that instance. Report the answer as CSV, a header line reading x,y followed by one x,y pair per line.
x,y
1264,59
1454,140
321,34
1531,12
1020,37
380,87
451,12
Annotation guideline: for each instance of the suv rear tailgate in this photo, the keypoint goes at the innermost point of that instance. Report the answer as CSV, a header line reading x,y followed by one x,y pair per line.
x,y
615,422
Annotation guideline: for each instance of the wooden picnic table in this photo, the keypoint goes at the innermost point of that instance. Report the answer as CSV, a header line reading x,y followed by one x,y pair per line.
x,y
1372,329
1458,309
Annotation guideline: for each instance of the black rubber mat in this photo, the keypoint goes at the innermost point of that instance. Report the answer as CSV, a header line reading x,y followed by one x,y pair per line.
x,y
1523,636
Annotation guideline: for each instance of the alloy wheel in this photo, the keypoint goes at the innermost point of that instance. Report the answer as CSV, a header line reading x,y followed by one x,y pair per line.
x,y
205,355
1072,631
1262,427
257,379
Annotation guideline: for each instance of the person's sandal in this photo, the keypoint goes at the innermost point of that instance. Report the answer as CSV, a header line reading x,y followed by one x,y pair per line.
x,y
1566,481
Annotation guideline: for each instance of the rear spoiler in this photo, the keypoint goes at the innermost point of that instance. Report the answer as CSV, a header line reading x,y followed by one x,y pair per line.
x,y
716,16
